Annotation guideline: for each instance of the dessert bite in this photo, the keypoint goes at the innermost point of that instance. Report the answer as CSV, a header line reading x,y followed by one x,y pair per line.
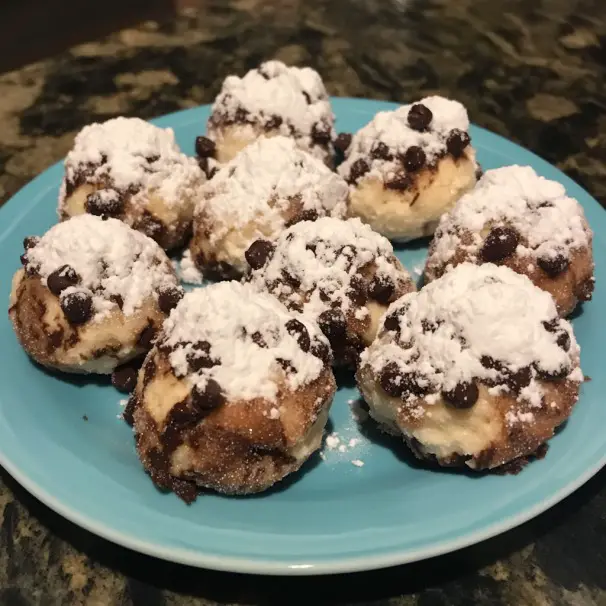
x,y
131,170
518,219
235,394
475,370
269,186
273,99
408,166
340,274
91,295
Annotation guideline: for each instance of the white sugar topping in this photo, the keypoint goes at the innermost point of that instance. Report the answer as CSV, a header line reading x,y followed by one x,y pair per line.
x,y
475,311
110,258
188,272
392,129
324,256
548,221
129,153
296,95
226,315
265,180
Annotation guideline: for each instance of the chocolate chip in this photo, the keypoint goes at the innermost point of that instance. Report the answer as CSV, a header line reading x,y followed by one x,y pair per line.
x,y
182,415
343,141
545,204
124,379
380,151
553,266
209,398
517,380
399,183
390,379
273,123
381,289
414,158
30,242
147,336
322,351
258,253
118,300
311,247
430,325
357,291
77,307
419,117
289,279
311,214
358,169
104,203
151,227
62,278
563,341
553,375
258,339
584,290
24,260
333,325
320,133
298,330
552,325
286,365
197,360
168,297
392,321
464,395
499,244
457,141
129,410
205,147
152,158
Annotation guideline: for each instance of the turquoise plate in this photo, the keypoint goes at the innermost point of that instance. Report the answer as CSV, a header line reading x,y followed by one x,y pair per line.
x,y
334,516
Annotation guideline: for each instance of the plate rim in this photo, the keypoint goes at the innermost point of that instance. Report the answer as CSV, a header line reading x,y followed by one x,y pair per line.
x,y
338,564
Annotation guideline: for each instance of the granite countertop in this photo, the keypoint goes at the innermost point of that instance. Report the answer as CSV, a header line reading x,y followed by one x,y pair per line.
x,y
532,71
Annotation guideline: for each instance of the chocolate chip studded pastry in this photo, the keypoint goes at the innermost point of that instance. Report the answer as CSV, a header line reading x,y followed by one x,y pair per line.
x,y
408,166
477,369
133,171
340,274
525,222
269,186
235,394
91,295
273,100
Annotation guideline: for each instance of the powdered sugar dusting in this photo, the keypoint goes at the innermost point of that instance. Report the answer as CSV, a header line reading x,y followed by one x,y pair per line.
x,y
294,95
393,130
263,182
323,257
470,314
129,154
111,259
188,272
246,335
549,222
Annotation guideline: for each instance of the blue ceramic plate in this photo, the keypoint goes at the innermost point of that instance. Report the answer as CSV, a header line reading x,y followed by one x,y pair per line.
x,y
333,516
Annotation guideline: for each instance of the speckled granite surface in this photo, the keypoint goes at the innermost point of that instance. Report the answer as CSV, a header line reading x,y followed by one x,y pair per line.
x,y
532,71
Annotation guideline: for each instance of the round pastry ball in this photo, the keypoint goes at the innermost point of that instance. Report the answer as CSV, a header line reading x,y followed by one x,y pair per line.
x,y
408,166
475,370
91,295
269,186
133,171
235,394
339,274
525,222
273,100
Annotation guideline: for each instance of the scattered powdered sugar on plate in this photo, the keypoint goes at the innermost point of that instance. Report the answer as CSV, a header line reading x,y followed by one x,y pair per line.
x,y
187,270
268,178
324,258
131,155
245,341
392,129
291,100
477,322
548,222
112,262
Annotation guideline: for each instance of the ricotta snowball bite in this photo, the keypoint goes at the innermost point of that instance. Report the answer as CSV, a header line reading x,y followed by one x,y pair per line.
x,y
91,295
408,166
235,394
525,222
269,186
273,100
133,171
340,274
476,369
